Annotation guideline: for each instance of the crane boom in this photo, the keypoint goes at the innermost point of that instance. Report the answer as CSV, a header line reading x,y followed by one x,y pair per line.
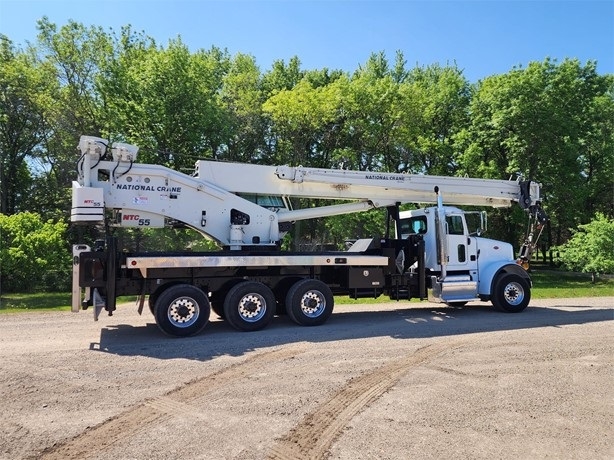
x,y
243,204
362,185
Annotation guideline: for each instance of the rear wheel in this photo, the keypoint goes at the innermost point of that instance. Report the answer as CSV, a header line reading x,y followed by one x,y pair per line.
x,y
249,306
512,293
309,302
182,310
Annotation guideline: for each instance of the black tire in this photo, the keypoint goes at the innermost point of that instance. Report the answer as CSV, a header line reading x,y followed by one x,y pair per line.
x,y
217,299
249,306
309,302
182,310
511,294
151,302
281,293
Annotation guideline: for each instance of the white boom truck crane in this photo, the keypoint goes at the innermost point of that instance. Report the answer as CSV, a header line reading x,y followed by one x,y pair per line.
x,y
246,209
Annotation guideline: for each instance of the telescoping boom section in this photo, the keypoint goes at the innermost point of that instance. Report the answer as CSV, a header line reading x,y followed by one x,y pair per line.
x,y
247,210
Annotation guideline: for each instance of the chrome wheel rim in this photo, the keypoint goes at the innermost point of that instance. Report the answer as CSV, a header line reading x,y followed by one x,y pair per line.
x,y
313,303
513,293
183,312
252,307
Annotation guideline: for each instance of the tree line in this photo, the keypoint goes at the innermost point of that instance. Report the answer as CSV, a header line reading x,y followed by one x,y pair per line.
x,y
552,122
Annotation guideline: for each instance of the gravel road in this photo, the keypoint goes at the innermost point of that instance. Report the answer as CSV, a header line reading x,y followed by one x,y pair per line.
x,y
377,381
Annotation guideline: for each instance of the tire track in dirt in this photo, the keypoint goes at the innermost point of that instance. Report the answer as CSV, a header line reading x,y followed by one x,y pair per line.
x,y
315,434
156,410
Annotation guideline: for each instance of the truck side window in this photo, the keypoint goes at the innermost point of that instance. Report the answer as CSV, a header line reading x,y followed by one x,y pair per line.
x,y
413,225
455,225
418,224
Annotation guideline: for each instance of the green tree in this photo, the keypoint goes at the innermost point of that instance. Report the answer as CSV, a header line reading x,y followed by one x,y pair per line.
x,y
551,122
163,239
546,123
77,54
165,100
597,155
26,87
405,120
382,118
350,227
120,95
305,130
241,98
442,96
282,76
301,122
376,115
591,248
74,55
33,253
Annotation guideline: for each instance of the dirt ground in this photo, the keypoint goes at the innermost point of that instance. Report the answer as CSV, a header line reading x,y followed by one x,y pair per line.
x,y
382,381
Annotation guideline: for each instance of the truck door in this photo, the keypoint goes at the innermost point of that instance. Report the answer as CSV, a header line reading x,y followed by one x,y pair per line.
x,y
461,248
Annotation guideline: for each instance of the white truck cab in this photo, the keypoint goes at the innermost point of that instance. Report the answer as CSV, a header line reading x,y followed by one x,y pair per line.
x,y
462,265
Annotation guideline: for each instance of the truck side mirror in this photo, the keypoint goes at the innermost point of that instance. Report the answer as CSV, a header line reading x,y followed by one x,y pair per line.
x,y
483,223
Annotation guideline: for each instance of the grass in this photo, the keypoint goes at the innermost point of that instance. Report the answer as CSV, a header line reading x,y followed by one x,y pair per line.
x,y
549,284
41,301
546,284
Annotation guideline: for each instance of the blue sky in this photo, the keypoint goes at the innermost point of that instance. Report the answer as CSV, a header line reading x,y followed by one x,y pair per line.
x,y
482,37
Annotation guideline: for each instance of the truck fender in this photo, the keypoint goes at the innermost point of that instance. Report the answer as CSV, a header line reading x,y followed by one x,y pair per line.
x,y
490,274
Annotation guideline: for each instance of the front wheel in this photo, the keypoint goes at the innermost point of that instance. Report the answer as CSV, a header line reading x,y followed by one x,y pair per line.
x,y
512,293
182,310
309,302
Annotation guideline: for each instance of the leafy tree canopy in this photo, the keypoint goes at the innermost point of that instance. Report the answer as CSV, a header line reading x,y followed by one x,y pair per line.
x,y
591,248
33,253
550,121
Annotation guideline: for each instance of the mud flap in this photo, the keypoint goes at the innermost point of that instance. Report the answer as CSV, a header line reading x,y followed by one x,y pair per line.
x,y
140,302
98,303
